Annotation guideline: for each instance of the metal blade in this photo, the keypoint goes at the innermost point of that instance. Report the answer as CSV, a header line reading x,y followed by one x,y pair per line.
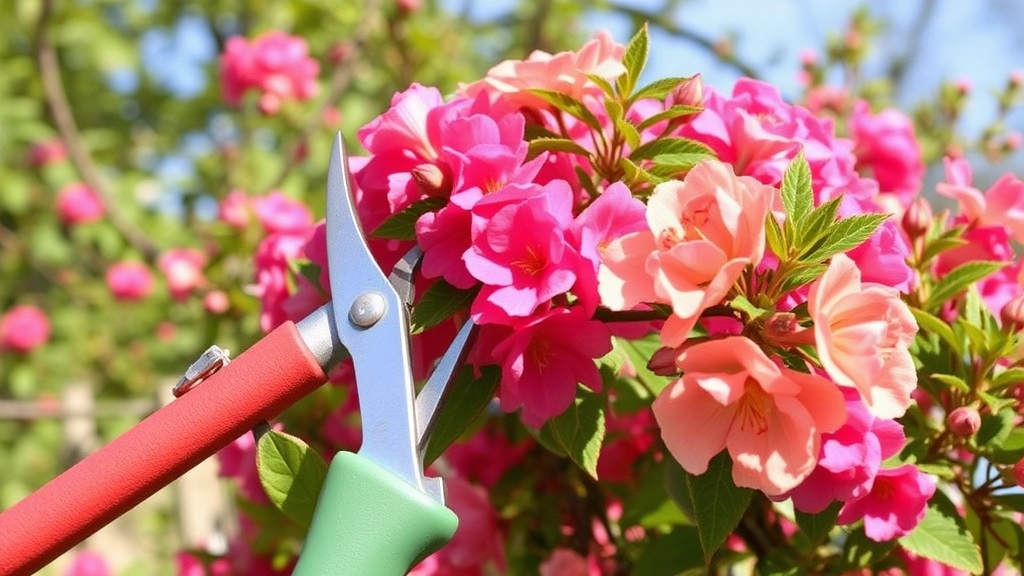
x,y
372,322
435,392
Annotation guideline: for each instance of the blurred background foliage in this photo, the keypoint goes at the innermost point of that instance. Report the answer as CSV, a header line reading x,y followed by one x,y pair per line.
x,y
129,87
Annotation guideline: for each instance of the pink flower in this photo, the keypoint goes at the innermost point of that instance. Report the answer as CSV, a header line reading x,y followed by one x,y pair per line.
x,y
88,564
1002,204
444,237
216,302
613,214
702,233
78,204
849,458
543,359
189,565
129,281
272,257
921,566
629,437
234,209
520,253
486,457
47,152
276,65
477,546
895,505
885,145
279,213
23,328
566,562
238,460
882,258
565,72
732,396
863,333
183,269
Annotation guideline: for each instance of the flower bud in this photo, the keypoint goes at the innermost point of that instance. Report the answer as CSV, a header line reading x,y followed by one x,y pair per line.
x,y
689,92
964,421
1012,314
216,302
918,219
663,362
1018,472
432,179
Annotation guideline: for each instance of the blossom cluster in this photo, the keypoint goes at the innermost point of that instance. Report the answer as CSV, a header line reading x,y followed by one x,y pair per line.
x,y
275,65
770,259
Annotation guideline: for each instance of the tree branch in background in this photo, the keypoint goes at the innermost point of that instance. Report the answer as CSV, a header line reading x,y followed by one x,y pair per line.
x,y
340,80
64,119
901,64
671,27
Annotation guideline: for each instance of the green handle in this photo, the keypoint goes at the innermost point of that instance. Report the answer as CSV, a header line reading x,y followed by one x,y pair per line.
x,y
369,522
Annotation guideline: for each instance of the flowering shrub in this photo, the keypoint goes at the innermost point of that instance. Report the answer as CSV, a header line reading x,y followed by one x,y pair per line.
x,y
821,381
720,331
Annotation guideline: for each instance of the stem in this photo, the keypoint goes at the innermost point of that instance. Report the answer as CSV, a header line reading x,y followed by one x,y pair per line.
x,y
64,120
606,315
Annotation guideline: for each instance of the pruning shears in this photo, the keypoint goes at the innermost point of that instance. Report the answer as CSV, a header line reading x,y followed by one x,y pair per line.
x,y
377,512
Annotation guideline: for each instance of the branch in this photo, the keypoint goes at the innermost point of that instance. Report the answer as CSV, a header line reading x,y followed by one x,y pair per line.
x,y
668,25
340,81
64,119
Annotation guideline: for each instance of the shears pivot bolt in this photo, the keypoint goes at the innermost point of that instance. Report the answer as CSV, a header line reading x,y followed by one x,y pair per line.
x,y
367,309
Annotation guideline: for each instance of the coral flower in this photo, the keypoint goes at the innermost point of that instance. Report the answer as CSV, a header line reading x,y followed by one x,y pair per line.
x,y
862,333
1002,204
565,72
732,396
702,233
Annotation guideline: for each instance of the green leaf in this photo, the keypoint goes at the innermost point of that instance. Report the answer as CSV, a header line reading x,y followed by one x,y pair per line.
x,y
534,131
936,326
402,226
818,224
291,474
670,554
741,303
718,504
634,59
817,526
845,234
953,381
671,165
943,536
801,274
1010,450
663,146
636,175
603,84
648,505
658,89
623,126
673,112
777,242
538,145
586,182
580,430
859,551
465,401
995,428
676,488
569,105
639,353
797,194
439,303
958,280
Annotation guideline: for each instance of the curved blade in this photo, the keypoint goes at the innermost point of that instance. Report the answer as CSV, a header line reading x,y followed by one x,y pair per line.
x,y
380,351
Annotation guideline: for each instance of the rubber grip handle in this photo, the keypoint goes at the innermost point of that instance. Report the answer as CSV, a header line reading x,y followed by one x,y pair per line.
x,y
264,380
370,521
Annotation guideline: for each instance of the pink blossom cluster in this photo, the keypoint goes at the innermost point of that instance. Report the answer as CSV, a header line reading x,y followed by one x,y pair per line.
x,y
78,204
23,328
275,65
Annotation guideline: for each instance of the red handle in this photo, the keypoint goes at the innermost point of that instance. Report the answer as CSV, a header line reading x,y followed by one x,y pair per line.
x,y
275,373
